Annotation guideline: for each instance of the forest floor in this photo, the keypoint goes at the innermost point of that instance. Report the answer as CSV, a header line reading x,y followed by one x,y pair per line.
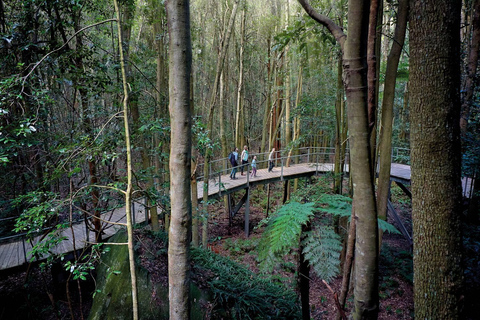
x,y
28,299
396,265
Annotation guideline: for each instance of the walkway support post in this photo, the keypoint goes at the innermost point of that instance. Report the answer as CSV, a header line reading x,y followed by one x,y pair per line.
x,y
247,213
281,171
220,184
133,212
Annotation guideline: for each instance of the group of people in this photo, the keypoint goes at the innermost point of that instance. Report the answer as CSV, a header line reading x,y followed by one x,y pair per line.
x,y
233,157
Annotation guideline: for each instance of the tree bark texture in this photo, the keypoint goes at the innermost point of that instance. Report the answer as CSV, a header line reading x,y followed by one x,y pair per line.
x,y
366,249
128,191
180,66
386,125
435,156
472,64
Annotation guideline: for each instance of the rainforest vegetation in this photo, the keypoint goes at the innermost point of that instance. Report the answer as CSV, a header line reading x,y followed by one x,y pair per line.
x,y
130,106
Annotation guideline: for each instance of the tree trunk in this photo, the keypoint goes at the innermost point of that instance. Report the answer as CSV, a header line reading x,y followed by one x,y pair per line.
x,y
372,79
180,68
304,277
435,156
239,128
366,249
213,99
339,117
268,100
387,110
128,191
472,63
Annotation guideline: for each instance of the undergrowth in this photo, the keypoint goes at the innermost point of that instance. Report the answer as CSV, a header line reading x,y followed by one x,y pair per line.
x,y
240,293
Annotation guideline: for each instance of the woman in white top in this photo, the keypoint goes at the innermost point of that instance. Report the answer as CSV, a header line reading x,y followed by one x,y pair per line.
x,y
270,160
244,157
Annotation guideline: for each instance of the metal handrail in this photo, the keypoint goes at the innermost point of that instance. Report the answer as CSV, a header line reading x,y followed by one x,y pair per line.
x,y
305,155
222,166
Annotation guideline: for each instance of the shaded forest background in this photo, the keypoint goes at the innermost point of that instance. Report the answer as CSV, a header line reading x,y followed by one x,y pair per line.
x,y
264,75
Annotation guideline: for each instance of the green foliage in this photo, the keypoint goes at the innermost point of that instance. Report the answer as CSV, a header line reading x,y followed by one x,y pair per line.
x,y
387,227
322,248
87,263
40,215
335,204
240,292
240,246
40,208
283,232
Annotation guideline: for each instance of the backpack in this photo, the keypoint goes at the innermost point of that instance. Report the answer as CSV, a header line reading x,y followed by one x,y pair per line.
x,y
231,157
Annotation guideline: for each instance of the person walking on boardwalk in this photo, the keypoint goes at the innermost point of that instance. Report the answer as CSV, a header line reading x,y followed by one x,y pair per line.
x,y
233,161
244,158
270,160
254,167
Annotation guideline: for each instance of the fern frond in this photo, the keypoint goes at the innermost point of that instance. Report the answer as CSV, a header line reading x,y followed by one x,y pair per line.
x,y
387,227
283,231
322,248
335,204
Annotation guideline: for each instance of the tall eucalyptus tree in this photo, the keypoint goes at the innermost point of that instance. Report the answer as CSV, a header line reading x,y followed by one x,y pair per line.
x,y
354,52
435,156
180,68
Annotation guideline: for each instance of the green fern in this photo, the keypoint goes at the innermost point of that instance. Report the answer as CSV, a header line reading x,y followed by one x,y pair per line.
x,y
387,227
335,204
322,248
283,232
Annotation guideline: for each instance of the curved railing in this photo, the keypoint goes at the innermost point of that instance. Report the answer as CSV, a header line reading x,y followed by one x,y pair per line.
x,y
219,167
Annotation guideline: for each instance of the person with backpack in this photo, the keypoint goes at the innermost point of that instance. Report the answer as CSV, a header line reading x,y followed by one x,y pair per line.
x,y
233,161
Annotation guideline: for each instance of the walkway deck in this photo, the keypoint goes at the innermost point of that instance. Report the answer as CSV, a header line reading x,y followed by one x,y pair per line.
x,y
14,254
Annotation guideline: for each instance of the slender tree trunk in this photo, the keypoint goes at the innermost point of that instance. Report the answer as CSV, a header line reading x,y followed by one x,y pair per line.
x,y
373,51
304,278
239,128
403,121
180,69
387,110
435,156
339,115
128,191
472,64
268,100
213,99
366,249
347,266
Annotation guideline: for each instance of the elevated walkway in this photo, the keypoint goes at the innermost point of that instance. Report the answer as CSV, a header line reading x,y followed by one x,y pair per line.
x,y
14,251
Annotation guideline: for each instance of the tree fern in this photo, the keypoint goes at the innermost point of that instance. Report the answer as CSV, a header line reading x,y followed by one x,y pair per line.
x,y
387,227
335,204
322,248
283,231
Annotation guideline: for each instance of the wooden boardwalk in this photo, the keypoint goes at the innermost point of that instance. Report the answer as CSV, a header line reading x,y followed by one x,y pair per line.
x,y
14,254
